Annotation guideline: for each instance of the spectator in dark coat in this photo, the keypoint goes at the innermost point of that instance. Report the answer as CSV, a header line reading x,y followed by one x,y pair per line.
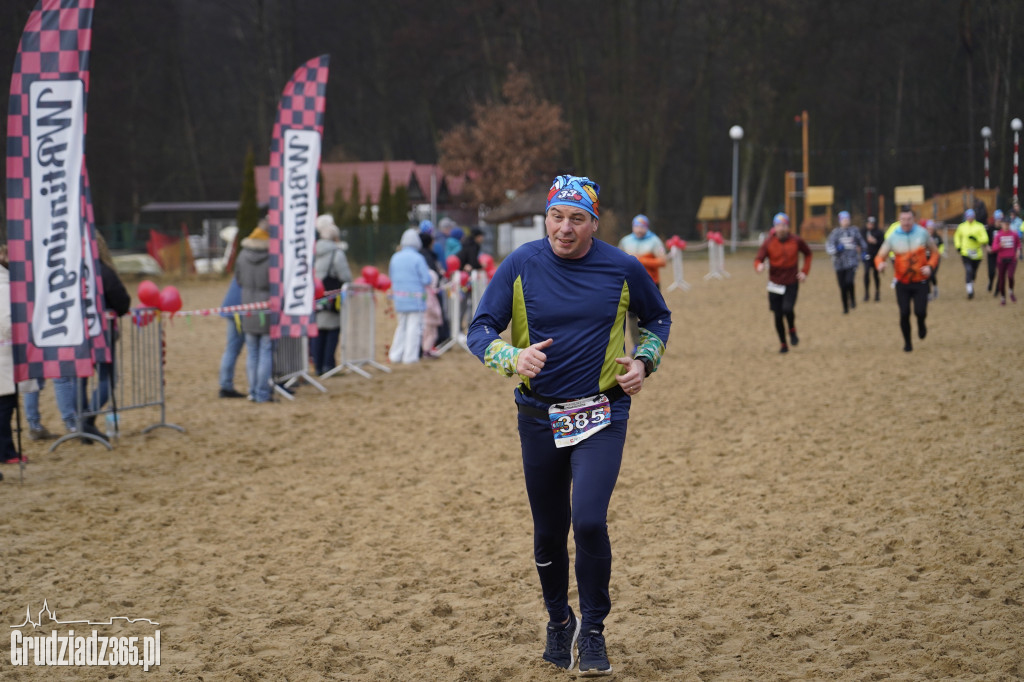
x,y
252,270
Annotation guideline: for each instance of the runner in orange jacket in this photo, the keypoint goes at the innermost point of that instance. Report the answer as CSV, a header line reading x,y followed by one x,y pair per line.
x,y
916,256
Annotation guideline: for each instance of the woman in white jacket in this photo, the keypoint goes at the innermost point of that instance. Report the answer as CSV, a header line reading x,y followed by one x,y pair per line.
x,y
410,277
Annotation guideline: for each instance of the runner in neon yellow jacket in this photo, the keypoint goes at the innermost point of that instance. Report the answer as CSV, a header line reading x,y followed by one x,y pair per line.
x,y
970,239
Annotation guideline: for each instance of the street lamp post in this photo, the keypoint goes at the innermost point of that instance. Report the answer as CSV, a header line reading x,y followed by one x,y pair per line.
x,y
986,133
736,133
1016,125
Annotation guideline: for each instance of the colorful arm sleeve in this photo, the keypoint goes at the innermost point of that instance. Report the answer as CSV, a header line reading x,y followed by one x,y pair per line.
x,y
502,357
651,347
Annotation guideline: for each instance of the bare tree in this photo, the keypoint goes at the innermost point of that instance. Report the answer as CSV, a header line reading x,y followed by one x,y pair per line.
x,y
512,144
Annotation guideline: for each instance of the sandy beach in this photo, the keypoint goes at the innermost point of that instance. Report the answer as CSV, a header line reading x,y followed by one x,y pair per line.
x,y
844,512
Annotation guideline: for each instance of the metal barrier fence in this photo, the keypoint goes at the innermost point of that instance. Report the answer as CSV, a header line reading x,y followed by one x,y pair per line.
x,y
451,305
291,363
358,331
716,261
137,375
478,281
675,255
460,307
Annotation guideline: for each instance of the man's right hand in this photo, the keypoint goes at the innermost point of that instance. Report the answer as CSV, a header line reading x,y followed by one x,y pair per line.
x,y
532,358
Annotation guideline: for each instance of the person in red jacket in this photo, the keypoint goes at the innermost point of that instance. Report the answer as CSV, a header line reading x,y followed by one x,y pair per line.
x,y
1006,246
782,250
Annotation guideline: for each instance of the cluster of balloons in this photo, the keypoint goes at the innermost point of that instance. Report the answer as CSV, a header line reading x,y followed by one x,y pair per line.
x,y
167,300
373,277
452,265
675,241
716,237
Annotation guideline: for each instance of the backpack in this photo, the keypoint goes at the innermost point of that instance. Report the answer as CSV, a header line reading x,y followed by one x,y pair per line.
x,y
331,280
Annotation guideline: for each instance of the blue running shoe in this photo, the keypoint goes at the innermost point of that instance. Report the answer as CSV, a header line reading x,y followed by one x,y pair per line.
x,y
593,658
561,645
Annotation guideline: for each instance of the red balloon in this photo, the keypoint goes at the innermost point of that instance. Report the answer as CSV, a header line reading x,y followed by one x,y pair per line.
x,y
370,275
359,280
170,299
486,260
464,277
453,264
318,288
682,244
491,269
383,282
149,294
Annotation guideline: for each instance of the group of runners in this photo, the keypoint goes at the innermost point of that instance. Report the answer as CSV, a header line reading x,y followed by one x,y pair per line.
x,y
914,249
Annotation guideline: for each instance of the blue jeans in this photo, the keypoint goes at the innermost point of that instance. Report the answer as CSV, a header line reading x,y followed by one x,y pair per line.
x,y
104,384
236,339
259,364
322,349
68,403
35,421
64,391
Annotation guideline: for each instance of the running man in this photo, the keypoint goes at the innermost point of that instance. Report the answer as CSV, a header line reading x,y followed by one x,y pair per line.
x,y
970,239
650,251
874,237
783,250
846,247
566,297
915,257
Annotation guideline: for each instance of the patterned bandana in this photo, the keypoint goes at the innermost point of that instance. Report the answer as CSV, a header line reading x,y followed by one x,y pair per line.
x,y
570,190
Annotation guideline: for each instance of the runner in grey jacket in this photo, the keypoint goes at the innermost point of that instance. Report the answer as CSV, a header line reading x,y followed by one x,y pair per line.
x,y
847,248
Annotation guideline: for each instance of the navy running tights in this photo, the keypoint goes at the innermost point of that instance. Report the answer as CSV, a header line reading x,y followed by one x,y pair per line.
x,y
571,487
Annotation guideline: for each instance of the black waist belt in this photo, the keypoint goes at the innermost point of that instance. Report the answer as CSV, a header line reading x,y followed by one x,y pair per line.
x,y
613,394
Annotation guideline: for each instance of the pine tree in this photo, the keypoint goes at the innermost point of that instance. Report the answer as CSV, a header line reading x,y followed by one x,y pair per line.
x,y
400,205
367,214
248,216
351,214
384,205
338,207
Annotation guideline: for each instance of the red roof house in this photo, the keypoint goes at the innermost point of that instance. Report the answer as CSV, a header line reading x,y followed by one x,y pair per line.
x,y
338,176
